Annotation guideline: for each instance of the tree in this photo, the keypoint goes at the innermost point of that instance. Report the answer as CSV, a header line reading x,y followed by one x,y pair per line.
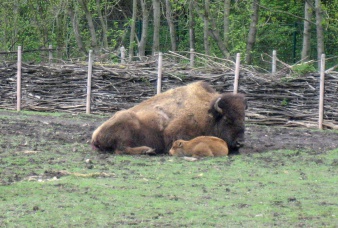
x,y
320,31
132,31
306,32
171,24
70,24
206,27
213,30
84,5
252,31
10,24
76,29
226,22
192,38
103,24
145,25
157,21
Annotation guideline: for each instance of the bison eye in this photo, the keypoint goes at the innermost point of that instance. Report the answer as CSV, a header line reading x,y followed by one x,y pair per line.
x,y
227,120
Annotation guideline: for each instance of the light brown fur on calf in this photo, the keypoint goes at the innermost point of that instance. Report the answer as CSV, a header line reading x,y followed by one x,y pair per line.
x,y
202,146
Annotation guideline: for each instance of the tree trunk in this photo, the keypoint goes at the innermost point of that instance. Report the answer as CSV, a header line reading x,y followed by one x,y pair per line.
x,y
157,18
145,24
103,24
15,30
132,31
170,21
191,25
320,31
206,27
60,32
306,32
213,31
226,25
76,29
252,31
89,18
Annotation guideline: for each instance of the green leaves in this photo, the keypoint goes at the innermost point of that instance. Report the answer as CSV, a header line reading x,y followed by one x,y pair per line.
x,y
35,24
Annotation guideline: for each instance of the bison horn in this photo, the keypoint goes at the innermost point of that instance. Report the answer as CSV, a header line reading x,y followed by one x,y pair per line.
x,y
217,108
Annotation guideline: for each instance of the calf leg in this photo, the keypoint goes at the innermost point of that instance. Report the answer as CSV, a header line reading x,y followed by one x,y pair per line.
x,y
202,150
136,150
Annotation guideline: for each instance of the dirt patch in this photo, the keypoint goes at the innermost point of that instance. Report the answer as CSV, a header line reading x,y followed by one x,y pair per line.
x,y
267,138
47,130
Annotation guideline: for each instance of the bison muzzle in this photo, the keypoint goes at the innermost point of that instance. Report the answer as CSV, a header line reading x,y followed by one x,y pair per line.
x,y
181,113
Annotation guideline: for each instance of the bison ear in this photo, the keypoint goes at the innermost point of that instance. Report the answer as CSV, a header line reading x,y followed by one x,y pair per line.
x,y
246,104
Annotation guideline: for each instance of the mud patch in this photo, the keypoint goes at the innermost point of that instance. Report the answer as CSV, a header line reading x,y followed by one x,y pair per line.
x,y
49,131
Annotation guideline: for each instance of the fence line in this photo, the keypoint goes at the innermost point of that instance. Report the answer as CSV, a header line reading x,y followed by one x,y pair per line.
x,y
274,61
18,95
123,54
237,69
192,57
89,81
159,77
159,73
321,92
50,53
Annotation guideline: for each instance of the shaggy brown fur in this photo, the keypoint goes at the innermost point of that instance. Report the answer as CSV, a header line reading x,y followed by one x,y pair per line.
x,y
202,146
181,113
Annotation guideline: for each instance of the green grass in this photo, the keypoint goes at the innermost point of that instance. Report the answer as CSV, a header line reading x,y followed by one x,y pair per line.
x,y
46,183
279,188
24,114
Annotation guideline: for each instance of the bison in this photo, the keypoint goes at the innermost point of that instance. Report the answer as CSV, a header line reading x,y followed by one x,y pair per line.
x,y
181,113
202,146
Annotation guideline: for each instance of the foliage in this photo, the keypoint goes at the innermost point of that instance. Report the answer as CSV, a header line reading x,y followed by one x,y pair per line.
x,y
36,24
284,102
303,68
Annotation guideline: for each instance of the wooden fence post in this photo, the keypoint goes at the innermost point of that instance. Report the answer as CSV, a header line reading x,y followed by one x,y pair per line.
x,y
50,54
123,54
274,61
89,81
18,82
159,73
192,58
238,60
321,92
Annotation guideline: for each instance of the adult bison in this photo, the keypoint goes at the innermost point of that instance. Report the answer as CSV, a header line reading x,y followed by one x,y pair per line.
x,y
181,113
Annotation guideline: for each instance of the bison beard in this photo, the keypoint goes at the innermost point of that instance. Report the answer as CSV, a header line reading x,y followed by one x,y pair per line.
x,y
181,113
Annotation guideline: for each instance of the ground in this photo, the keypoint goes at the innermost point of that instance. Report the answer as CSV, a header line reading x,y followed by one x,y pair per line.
x,y
78,128
51,177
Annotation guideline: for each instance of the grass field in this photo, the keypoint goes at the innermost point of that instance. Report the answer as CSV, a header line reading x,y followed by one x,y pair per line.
x,y
48,181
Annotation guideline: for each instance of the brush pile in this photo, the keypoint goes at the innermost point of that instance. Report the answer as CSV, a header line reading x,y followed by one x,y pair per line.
x,y
279,99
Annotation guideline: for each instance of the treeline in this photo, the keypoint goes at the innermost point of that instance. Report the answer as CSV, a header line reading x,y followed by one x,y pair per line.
x,y
299,30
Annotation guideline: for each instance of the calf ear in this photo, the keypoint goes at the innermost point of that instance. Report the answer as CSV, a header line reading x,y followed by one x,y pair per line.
x,y
180,144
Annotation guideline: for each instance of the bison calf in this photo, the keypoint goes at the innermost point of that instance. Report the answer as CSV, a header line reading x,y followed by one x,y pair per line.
x,y
202,146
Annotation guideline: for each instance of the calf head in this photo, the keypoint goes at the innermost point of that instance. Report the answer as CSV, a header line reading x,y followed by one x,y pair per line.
x,y
177,148
228,112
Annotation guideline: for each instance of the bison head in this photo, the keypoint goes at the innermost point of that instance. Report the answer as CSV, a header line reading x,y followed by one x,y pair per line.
x,y
228,112
116,132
